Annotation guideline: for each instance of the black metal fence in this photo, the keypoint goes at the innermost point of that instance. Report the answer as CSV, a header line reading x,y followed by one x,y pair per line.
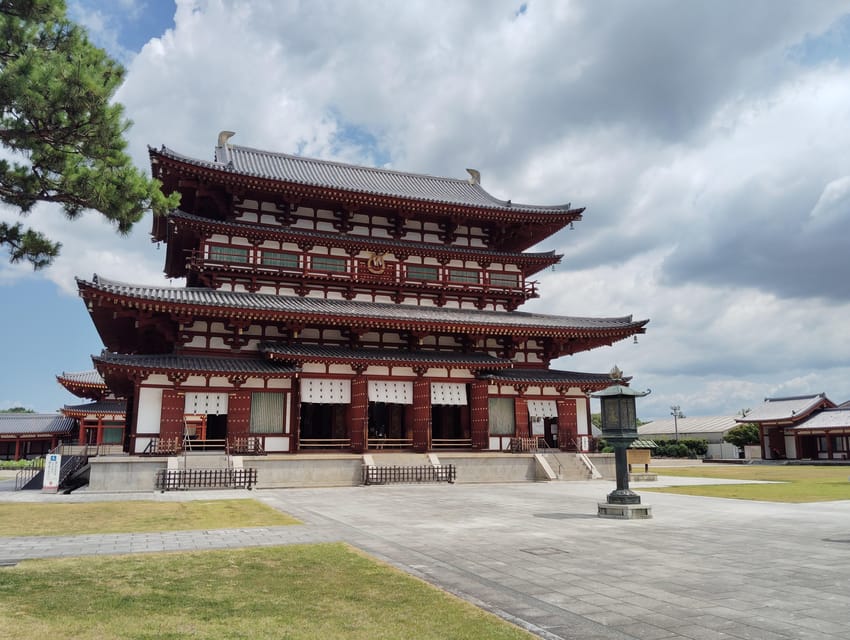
x,y
182,479
373,474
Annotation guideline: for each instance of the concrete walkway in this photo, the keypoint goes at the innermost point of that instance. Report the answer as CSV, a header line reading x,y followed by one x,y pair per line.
x,y
536,554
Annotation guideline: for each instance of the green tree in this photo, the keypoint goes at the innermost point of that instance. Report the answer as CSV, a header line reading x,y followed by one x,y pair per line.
x,y
66,137
17,410
743,435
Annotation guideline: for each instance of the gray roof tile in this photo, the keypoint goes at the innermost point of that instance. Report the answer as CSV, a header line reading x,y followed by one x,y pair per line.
x,y
783,409
24,424
88,378
102,406
826,419
260,302
353,178
200,364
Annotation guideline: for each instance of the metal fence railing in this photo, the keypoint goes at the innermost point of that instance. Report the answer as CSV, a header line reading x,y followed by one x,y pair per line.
x,y
373,474
182,479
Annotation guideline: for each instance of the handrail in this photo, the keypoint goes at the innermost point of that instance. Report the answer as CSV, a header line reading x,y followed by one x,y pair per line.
x,y
389,443
326,443
594,472
458,443
23,477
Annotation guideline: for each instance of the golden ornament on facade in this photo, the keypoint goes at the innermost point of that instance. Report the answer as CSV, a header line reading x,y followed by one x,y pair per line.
x,y
375,264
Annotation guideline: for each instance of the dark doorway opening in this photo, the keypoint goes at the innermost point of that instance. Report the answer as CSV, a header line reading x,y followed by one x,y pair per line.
x,y
216,427
389,425
450,422
323,426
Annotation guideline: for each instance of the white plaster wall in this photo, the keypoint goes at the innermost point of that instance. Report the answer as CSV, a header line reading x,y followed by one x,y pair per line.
x,y
277,444
582,417
150,411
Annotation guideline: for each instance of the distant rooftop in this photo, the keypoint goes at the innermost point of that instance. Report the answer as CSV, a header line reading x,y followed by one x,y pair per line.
x,y
791,408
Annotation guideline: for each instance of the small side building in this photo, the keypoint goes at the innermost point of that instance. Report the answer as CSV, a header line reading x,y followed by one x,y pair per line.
x,y
32,435
809,427
710,428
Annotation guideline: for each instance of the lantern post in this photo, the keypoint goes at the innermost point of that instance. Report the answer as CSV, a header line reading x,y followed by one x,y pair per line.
x,y
619,428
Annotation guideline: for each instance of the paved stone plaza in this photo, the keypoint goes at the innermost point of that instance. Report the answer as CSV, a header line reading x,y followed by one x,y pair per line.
x,y
538,555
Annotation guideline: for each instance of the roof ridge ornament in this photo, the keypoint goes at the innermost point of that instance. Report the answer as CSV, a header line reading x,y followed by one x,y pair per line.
x,y
222,154
474,177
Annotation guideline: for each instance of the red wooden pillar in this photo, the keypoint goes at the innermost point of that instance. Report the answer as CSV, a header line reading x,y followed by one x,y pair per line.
x,y
521,417
171,417
567,424
81,439
359,413
421,414
480,415
99,438
295,416
17,448
238,415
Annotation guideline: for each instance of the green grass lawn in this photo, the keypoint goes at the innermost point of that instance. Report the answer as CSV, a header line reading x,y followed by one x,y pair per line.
x,y
301,591
24,519
799,483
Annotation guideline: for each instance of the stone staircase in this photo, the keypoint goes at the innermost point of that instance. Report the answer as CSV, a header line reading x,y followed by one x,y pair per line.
x,y
567,466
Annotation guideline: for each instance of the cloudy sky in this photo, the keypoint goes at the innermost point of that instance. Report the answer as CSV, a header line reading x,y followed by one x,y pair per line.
x,y
707,139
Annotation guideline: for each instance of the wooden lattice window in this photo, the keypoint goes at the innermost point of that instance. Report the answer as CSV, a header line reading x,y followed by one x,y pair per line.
x,y
228,253
421,272
506,279
465,276
267,412
329,263
279,260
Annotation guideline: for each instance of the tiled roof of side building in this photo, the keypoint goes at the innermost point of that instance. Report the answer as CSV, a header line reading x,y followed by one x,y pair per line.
x,y
336,175
265,303
827,419
337,238
199,364
317,353
696,424
23,424
784,409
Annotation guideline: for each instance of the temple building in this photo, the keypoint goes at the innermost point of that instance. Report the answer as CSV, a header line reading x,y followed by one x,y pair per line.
x,y
99,422
806,427
333,307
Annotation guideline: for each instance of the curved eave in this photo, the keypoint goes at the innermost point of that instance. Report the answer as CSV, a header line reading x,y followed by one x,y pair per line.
x,y
535,261
95,409
619,328
111,364
560,216
587,382
82,388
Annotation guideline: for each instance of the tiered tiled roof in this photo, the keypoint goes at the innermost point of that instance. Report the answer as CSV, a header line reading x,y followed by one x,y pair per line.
x,y
551,377
85,384
283,167
200,365
231,304
103,407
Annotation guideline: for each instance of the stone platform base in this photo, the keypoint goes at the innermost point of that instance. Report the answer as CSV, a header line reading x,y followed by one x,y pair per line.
x,y
624,511
642,477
